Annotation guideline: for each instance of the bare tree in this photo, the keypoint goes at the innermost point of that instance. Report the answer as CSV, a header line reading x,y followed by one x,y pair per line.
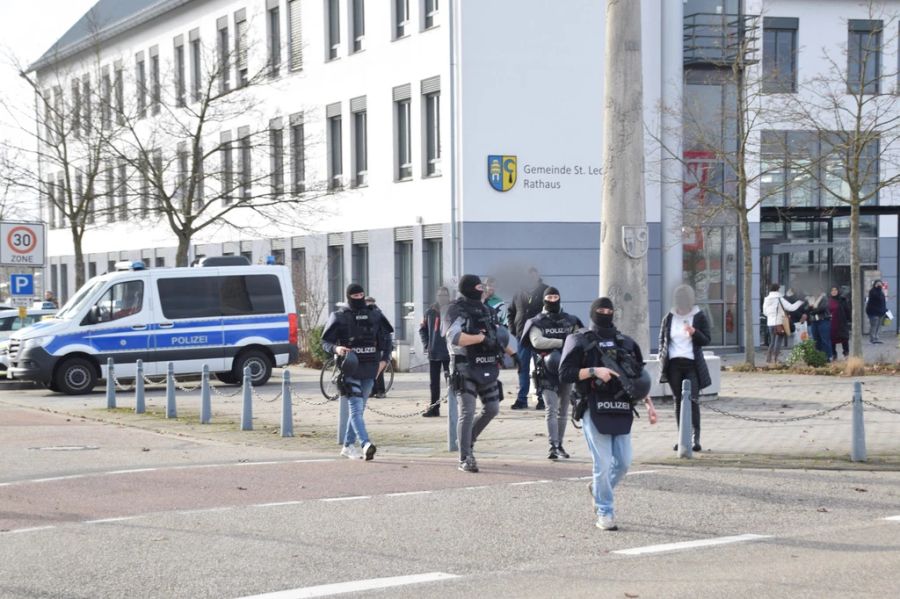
x,y
310,294
851,111
205,155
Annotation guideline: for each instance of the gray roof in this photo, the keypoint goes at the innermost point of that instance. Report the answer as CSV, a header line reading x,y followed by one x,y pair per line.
x,y
105,20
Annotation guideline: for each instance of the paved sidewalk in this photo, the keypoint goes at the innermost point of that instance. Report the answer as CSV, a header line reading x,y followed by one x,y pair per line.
x,y
887,352
522,433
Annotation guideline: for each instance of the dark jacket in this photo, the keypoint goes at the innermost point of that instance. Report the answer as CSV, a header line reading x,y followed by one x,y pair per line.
x,y
840,318
877,304
341,328
700,338
432,335
525,305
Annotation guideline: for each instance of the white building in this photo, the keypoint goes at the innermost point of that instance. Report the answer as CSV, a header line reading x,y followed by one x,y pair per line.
x,y
415,107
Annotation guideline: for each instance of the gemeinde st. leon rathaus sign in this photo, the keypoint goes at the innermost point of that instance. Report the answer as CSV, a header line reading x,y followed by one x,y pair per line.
x,y
505,170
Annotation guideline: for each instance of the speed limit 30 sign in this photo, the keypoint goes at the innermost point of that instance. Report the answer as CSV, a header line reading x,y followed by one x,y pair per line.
x,y
21,244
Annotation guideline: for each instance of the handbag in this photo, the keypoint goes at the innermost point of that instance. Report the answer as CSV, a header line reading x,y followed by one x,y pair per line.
x,y
784,326
802,331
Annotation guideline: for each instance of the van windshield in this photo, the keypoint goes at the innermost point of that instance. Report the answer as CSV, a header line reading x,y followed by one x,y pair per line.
x,y
79,300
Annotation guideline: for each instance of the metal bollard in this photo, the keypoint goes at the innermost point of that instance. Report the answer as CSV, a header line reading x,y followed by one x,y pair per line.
x,y
343,418
685,425
247,408
171,411
858,447
287,414
110,384
140,405
452,420
205,403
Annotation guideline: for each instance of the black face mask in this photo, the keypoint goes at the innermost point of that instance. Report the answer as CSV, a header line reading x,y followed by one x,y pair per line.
x,y
468,287
356,304
603,321
551,307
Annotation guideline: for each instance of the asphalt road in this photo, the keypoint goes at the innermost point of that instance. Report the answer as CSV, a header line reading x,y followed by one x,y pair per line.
x,y
95,510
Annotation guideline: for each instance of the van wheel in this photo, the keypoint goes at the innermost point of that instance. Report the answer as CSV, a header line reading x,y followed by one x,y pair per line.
x,y
76,376
227,378
260,367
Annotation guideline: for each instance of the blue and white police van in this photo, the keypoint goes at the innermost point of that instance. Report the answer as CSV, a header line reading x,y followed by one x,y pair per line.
x,y
227,317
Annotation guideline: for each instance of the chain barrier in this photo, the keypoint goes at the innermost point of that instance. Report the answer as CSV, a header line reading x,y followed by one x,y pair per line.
x,y
122,386
261,398
880,407
215,390
369,408
820,413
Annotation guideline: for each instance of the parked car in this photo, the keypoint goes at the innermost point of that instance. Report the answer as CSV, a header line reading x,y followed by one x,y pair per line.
x,y
10,323
226,317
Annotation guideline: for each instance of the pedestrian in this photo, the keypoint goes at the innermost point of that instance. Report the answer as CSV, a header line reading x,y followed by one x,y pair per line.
x,y
435,346
361,330
526,304
50,298
378,389
476,341
494,301
797,316
682,336
876,308
840,311
545,335
606,409
775,308
820,322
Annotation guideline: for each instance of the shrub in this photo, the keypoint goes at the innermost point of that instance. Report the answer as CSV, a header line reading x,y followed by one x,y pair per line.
x,y
806,353
316,351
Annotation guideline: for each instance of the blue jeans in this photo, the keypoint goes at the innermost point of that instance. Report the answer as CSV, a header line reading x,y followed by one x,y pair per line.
x,y
524,373
612,457
356,426
821,332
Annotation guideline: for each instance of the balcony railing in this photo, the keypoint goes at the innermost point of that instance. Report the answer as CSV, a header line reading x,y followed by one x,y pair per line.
x,y
721,39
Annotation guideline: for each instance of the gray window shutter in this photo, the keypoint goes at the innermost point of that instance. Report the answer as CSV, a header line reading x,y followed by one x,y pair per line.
x,y
431,85
402,92
403,234
296,35
335,239
333,110
359,237
358,104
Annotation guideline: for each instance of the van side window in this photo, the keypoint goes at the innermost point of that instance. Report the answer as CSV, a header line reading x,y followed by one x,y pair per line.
x,y
251,294
189,297
120,301
206,297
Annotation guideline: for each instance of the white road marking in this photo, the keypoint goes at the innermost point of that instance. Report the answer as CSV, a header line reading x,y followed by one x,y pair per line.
x,y
666,547
105,520
473,488
351,498
277,503
408,493
355,586
636,472
893,518
530,482
156,469
32,529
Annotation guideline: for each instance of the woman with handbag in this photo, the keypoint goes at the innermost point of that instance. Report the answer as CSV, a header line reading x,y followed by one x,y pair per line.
x,y
776,310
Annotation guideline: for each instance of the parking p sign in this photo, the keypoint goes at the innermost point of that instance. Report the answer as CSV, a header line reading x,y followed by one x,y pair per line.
x,y
22,244
21,285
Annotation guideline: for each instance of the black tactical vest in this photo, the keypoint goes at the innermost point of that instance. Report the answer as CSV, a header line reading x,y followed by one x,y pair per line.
x,y
362,328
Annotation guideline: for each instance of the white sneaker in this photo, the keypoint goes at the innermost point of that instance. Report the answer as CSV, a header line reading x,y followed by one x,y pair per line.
x,y
351,452
606,523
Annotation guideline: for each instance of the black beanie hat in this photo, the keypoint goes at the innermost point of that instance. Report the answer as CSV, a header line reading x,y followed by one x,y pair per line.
x,y
353,289
603,321
551,291
601,302
467,287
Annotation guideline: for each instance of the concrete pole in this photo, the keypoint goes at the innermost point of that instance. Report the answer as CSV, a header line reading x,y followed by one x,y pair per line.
x,y
247,402
287,412
685,424
140,405
171,409
110,384
205,398
671,89
624,238
858,444
452,421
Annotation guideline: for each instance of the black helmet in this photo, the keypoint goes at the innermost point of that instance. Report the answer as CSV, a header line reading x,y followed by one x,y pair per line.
x,y
502,337
641,385
350,364
551,361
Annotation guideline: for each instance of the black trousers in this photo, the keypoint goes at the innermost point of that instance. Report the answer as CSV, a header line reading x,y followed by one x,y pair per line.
x,y
677,371
435,367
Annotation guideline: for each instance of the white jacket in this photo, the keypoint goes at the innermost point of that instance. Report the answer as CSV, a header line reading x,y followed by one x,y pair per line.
x,y
771,310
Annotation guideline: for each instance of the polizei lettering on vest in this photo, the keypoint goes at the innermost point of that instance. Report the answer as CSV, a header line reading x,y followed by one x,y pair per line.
x,y
565,331
603,406
365,350
485,360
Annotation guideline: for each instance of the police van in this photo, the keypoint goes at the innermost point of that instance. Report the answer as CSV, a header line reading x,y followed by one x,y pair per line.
x,y
226,317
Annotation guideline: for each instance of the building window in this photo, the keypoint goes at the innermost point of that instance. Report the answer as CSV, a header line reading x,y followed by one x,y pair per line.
x,y
246,174
63,283
274,25
335,152
179,72
140,75
240,47
403,268
123,191
227,169
358,21
51,204
360,149
334,28
779,55
295,42
223,47
145,186
79,196
120,94
106,102
110,193
196,66
276,143
864,56
298,156
160,262
401,18
432,105
199,178
360,264
182,181
92,270
710,266
155,84
298,278
158,180
76,108
432,7
335,276
433,267
403,118
87,101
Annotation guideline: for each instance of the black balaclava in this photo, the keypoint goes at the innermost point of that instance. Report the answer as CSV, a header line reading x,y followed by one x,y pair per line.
x,y
355,304
551,307
468,285
602,321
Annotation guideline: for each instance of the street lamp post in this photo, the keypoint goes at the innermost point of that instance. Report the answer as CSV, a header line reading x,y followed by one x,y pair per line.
x,y
624,238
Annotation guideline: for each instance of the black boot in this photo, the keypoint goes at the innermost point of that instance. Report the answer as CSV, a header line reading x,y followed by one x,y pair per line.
x,y
433,412
562,452
697,446
540,404
553,454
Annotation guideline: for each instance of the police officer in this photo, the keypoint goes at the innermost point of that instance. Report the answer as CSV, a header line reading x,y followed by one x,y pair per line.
x,y
361,330
476,343
545,334
607,370
432,335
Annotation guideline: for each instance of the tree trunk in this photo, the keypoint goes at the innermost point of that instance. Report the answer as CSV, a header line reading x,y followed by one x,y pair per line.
x,y
77,237
747,287
856,290
184,248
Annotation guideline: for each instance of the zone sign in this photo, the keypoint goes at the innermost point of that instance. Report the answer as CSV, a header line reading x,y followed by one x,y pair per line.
x,y
22,244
